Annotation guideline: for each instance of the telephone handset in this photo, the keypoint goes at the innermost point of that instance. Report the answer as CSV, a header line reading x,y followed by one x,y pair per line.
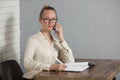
x,y
54,28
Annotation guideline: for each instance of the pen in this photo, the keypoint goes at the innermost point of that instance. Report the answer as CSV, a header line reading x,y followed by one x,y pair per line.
x,y
58,60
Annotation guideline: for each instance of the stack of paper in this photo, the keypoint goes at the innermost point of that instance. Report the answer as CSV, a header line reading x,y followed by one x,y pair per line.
x,y
77,66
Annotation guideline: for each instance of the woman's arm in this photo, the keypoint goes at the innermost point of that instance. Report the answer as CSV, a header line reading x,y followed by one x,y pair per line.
x,y
29,62
65,53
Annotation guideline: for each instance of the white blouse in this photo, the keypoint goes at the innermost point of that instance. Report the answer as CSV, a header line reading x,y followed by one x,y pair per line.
x,y
40,55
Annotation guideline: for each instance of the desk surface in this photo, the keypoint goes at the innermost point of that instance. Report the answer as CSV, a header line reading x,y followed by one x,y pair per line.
x,y
104,69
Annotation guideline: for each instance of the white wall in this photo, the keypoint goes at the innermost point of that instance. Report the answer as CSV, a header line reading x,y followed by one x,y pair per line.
x,y
91,27
9,30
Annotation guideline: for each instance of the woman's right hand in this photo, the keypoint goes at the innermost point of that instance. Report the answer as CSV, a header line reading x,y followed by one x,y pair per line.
x,y
58,67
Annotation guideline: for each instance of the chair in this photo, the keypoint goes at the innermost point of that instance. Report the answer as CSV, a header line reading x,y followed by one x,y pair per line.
x,y
10,70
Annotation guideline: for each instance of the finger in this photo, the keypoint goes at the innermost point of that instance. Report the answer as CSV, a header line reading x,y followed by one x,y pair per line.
x,y
63,67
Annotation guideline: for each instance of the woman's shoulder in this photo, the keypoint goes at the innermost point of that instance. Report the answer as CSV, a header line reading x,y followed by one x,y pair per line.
x,y
36,36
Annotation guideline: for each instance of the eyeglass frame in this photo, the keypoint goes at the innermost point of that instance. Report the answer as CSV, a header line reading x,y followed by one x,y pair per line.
x,y
50,20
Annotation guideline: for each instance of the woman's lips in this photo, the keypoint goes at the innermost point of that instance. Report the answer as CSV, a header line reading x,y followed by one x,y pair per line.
x,y
50,27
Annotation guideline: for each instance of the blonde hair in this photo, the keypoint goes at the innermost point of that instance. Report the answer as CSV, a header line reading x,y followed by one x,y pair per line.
x,y
46,7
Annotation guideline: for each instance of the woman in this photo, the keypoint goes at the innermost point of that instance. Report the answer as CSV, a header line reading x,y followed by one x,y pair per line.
x,y
42,48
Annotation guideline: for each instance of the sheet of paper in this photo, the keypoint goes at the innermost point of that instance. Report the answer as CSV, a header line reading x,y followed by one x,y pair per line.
x,y
77,66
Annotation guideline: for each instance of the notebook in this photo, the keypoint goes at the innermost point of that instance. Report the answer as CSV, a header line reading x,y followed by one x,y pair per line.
x,y
77,66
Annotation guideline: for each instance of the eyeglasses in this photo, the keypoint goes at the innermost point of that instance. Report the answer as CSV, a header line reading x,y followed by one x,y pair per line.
x,y
50,20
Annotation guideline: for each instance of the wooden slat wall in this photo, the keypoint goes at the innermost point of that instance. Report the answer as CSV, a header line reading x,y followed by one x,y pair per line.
x,y
9,30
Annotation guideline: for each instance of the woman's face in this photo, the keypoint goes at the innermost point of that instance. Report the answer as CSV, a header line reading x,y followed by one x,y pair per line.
x,y
48,20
